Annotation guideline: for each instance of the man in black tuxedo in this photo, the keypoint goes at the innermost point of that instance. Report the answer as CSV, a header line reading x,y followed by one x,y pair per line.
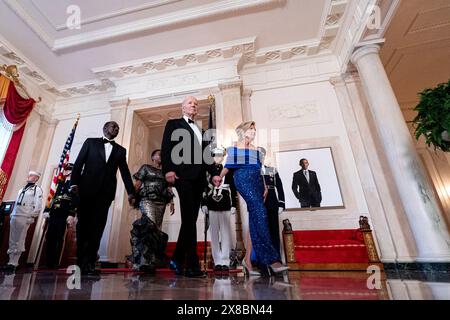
x,y
184,167
94,180
306,187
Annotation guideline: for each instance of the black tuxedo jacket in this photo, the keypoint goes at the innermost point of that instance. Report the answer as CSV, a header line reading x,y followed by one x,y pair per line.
x,y
182,153
304,191
95,177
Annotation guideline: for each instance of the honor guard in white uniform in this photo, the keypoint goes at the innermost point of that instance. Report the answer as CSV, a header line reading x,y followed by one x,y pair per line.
x,y
27,207
220,203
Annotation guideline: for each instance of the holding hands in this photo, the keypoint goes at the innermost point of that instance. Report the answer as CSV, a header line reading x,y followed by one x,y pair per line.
x,y
171,177
217,180
131,199
70,221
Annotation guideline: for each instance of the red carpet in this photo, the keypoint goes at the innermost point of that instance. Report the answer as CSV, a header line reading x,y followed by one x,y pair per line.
x,y
330,246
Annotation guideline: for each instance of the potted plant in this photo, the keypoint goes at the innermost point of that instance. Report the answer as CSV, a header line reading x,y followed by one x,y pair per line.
x,y
433,118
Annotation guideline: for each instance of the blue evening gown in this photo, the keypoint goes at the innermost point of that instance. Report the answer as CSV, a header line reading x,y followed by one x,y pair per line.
x,y
246,166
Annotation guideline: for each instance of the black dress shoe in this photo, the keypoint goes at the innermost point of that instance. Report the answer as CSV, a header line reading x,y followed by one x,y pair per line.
x,y
90,272
217,268
225,269
148,269
9,268
194,273
94,272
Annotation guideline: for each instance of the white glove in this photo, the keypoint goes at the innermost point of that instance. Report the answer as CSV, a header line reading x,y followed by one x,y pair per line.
x,y
30,220
46,215
233,210
280,210
205,209
70,221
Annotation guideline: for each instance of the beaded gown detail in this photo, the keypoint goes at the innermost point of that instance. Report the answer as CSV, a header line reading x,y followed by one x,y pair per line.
x,y
246,165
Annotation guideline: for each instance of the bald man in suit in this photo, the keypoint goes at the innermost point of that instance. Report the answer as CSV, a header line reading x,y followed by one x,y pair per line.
x,y
94,180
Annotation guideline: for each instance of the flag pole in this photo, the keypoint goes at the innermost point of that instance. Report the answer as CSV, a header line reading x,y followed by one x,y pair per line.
x,y
206,238
57,179
41,245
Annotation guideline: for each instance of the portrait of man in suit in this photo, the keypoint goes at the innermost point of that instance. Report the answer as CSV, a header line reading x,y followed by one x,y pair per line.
x,y
94,180
306,187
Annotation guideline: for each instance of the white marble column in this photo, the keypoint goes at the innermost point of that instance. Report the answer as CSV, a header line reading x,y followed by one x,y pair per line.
x,y
246,105
229,114
382,233
115,240
41,150
429,229
228,111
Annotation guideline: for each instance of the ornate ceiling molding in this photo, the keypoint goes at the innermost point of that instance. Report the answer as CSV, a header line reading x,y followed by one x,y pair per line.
x,y
41,80
222,51
365,25
330,24
243,49
113,14
207,11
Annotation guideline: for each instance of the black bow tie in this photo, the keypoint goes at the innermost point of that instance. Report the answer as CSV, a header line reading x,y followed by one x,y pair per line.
x,y
191,121
108,141
29,184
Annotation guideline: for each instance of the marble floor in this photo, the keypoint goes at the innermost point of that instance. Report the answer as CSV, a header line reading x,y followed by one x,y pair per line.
x,y
164,285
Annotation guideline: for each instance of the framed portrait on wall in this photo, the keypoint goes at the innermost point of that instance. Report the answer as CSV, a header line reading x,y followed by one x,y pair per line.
x,y
309,178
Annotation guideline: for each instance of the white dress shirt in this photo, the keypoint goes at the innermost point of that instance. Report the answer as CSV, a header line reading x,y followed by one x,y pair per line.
x,y
306,173
195,128
108,149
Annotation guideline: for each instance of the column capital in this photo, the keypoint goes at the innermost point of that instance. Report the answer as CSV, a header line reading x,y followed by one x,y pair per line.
x,y
119,104
48,120
230,85
352,76
363,51
246,92
337,80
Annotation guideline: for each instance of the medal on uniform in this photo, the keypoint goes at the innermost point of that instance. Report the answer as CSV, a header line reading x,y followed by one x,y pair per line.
x,y
217,196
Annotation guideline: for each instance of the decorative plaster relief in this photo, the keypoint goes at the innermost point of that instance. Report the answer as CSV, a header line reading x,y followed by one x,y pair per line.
x,y
293,114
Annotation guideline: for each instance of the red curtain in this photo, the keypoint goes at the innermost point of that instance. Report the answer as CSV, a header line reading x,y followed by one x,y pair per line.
x,y
16,110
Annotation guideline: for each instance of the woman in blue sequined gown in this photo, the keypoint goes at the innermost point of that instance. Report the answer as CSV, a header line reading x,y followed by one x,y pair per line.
x,y
244,160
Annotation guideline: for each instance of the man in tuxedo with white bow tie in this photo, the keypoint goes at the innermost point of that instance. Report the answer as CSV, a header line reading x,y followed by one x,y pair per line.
x,y
306,187
94,180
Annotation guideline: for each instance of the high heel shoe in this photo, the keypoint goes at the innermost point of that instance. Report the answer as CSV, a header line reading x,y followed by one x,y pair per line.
x,y
274,270
248,272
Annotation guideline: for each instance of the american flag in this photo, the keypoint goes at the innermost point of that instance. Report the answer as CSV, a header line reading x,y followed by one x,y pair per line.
x,y
59,177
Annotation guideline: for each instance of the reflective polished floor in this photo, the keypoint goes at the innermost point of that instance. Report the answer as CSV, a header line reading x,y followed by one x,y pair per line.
x,y
164,285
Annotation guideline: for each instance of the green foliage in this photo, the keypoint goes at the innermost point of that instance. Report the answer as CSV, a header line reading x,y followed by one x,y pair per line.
x,y
433,116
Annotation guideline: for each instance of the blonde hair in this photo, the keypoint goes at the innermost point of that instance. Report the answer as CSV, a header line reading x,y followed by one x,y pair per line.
x,y
243,127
